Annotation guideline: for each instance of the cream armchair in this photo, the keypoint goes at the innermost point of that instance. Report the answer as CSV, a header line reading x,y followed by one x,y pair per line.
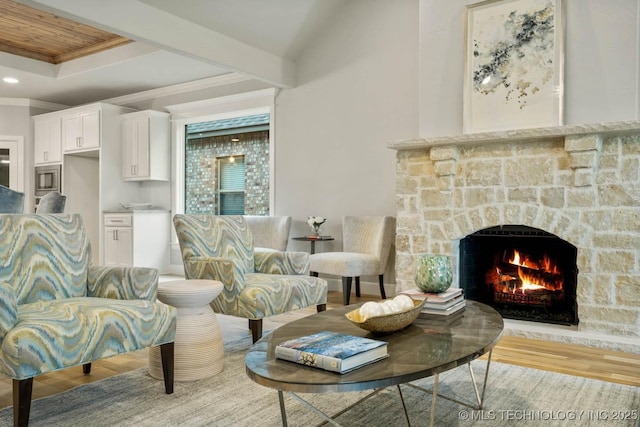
x,y
58,311
367,242
256,284
269,232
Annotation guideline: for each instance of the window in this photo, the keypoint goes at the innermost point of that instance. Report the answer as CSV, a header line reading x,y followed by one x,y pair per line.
x,y
227,166
230,192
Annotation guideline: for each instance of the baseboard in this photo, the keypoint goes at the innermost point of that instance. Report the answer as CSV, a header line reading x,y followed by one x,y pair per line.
x,y
366,288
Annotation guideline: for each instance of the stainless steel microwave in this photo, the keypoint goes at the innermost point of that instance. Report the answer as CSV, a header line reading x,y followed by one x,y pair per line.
x,y
48,178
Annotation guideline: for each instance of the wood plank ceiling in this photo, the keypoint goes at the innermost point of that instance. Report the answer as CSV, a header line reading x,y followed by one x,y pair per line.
x,y
39,35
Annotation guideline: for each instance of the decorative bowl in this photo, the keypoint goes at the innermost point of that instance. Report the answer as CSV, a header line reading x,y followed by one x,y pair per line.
x,y
386,322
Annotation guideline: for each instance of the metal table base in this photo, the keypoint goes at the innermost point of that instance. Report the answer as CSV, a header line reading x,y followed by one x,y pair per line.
x,y
331,418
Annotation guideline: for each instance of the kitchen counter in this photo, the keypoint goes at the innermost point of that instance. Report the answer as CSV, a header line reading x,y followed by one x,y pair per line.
x,y
135,210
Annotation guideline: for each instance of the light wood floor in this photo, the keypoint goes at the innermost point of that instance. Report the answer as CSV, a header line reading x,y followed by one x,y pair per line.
x,y
617,367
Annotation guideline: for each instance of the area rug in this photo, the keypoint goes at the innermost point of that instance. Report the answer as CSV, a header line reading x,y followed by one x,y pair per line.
x,y
514,395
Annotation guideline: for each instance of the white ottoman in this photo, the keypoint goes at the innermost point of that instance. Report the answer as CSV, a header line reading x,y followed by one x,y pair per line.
x,y
198,349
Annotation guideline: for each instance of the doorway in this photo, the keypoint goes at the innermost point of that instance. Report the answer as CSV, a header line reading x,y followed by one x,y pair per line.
x,y
12,162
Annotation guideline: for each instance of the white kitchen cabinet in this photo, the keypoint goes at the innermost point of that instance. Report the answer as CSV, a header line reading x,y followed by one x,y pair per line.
x,y
47,140
118,245
118,240
138,238
81,129
146,146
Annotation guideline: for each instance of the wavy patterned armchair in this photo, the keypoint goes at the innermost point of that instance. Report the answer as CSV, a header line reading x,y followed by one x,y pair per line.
x,y
256,284
58,311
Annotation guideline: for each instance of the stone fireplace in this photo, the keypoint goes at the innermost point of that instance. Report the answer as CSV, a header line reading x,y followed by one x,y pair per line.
x,y
579,184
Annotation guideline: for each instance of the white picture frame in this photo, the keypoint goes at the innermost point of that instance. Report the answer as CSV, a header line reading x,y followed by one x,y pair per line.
x,y
514,65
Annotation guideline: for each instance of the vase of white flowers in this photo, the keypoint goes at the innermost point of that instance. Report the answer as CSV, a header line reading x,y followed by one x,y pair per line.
x,y
315,222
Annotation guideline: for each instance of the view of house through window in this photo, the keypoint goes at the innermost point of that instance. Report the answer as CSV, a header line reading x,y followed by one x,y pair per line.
x,y
227,166
231,173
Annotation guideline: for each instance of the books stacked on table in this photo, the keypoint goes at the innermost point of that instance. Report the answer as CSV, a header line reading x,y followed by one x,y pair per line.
x,y
332,351
443,303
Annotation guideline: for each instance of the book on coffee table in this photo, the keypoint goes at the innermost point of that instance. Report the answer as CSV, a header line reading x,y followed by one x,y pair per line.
x,y
440,297
444,311
332,351
429,304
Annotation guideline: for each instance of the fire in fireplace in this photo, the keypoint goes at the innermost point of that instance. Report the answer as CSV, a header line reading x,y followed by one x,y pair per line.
x,y
523,272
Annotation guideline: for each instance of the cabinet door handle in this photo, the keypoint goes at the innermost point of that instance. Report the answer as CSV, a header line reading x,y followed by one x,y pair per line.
x,y
133,170
46,156
115,234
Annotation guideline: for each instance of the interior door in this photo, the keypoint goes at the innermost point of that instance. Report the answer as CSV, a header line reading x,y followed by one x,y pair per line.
x,y
12,162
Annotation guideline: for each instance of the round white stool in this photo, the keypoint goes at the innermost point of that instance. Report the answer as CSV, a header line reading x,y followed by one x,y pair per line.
x,y
198,349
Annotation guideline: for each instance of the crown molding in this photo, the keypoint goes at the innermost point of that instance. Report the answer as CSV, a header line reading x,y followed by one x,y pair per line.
x,y
225,79
34,103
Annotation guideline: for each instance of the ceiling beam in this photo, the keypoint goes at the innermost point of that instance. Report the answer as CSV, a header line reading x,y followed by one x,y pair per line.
x,y
141,22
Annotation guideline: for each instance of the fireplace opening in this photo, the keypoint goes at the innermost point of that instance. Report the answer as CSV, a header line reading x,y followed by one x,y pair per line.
x,y
524,273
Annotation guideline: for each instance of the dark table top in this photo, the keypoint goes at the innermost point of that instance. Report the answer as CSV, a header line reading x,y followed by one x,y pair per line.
x,y
432,344
313,239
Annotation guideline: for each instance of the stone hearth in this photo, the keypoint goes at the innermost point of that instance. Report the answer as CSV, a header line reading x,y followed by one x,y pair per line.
x,y
580,183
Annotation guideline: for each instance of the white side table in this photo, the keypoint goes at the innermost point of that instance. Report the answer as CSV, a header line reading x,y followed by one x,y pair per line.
x,y
198,349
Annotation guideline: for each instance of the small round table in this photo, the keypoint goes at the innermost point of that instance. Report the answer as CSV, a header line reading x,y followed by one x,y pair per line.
x,y
198,349
313,241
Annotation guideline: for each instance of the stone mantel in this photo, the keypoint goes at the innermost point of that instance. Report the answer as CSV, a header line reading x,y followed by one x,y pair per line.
x,y
617,128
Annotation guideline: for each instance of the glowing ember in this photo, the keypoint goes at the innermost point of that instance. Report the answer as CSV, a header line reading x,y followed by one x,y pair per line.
x,y
522,274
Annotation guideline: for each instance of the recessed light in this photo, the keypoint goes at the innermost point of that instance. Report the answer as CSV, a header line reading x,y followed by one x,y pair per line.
x,y
11,80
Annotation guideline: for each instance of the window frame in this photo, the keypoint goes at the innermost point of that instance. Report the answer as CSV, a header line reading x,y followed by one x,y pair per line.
x,y
227,107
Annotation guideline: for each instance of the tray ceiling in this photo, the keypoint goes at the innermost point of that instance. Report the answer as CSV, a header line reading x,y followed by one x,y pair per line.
x,y
43,36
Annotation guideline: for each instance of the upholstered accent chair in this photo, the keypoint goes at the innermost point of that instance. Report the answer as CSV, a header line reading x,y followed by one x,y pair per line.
x,y
256,284
58,311
269,232
11,201
52,202
367,242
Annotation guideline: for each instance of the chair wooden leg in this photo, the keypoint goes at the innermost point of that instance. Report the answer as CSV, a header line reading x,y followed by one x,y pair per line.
x,y
381,282
166,354
255,325
86,368
346,290
358,286
321,307
22,401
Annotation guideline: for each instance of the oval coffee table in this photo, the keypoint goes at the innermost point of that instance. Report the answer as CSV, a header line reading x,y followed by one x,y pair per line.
x,y
431,345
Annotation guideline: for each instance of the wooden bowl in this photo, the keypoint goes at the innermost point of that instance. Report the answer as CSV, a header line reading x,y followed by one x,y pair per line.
x,y
386,322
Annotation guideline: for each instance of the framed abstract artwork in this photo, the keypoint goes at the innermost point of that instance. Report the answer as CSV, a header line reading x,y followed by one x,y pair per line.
x,y
514,65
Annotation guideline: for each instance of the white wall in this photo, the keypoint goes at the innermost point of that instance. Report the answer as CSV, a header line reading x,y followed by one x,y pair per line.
x,y
356,92
601,63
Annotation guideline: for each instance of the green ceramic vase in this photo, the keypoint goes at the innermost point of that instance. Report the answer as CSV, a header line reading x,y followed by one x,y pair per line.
x,y
433,273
